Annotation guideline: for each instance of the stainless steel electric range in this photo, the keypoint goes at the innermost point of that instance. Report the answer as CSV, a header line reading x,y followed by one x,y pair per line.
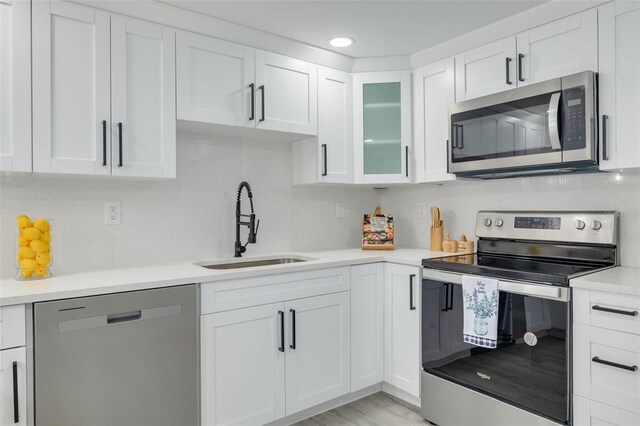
x,y
534,255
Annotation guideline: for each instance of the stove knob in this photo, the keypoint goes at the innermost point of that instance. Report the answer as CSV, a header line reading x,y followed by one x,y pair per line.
x,y
499,223
578,224
596,224
487,222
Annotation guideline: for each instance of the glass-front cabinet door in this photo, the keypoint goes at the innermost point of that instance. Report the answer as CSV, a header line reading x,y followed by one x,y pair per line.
x,y
382,127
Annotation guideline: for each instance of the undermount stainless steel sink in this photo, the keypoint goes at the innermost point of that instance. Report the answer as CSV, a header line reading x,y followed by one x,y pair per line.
x,y
251,263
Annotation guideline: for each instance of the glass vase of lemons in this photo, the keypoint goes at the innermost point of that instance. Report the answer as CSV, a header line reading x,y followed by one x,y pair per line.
x,y
33,260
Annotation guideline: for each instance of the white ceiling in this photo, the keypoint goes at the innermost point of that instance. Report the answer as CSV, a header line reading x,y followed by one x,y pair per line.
x,y
380,28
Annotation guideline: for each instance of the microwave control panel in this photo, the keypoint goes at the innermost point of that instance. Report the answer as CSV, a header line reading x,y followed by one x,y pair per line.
x,y
573,127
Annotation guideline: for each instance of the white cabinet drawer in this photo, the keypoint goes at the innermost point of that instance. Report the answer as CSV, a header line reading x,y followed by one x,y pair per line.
x,y
607,366
592,413
252,291
12,326
612,311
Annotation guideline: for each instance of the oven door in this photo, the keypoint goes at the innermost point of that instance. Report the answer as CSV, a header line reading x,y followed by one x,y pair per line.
x,y
529,368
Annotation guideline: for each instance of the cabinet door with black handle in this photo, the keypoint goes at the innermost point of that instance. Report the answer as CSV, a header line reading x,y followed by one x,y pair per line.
x,y
13,387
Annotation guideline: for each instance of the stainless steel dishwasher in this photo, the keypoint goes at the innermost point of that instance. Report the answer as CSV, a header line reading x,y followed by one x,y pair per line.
x,y
118,359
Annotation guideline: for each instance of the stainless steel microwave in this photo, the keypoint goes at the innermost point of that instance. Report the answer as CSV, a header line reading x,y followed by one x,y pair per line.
x,y
545,127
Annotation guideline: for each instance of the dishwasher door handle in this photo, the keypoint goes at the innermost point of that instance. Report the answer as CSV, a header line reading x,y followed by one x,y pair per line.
x,y
129,316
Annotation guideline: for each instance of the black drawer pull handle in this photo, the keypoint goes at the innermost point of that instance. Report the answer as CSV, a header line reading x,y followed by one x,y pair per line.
x,y
120,144
281,347
261,88
129,316
16,413
253,101
507,62
412,306
615,311
293,329
615,364
104,142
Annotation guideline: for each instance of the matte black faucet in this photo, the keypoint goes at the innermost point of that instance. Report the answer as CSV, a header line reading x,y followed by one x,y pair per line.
x,y
253,227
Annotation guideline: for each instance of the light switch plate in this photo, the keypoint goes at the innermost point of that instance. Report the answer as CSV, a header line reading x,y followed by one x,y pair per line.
x,y
342,210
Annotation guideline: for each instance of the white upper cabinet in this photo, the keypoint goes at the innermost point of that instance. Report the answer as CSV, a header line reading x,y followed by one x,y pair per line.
x,y
100,82
562,47
486,69
434,91
71,89
382,127
619,85
335,126
143,108
286,94
15,86
215,79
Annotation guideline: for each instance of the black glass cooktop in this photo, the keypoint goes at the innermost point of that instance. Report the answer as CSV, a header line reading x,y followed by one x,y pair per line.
x,y
512,267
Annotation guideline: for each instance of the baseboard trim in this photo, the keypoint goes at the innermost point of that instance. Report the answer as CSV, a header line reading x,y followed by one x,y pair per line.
x,y
400,394
326,406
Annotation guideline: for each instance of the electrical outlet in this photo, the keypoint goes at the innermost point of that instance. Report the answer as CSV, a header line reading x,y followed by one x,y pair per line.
x,y
342,210
422,210
112,213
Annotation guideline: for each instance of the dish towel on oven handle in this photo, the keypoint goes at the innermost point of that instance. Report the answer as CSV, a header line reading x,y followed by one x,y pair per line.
x,y
480,298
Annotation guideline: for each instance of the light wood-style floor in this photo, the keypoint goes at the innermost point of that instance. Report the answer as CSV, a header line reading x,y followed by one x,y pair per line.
x,y
378,410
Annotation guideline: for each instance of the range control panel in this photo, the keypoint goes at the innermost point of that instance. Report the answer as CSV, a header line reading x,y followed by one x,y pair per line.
x,y
595,227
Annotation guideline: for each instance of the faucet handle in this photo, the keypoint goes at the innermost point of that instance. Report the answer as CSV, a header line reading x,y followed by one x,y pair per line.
x,y
257,227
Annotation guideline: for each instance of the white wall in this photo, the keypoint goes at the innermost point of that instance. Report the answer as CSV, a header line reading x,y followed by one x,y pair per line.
x,y
460,201
187,218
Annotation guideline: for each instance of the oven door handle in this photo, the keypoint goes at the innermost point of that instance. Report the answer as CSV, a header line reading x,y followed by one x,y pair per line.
x,y
554,130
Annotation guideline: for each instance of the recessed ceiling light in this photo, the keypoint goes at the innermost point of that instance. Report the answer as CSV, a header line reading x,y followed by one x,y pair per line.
x,y
341,41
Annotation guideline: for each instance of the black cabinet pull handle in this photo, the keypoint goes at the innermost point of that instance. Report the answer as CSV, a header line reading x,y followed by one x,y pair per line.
x,y
450,305
324,159
520,56
281,347
253,101
508,80
446,297
615,311
615,364
261,88
412,307
293,329
119,144
16,413
104,142
605,147
129,316
406,161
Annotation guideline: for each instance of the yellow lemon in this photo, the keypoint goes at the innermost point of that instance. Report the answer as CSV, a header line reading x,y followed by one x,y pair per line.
x,y
41,271
41,224
23,221
43,259
28,265
46,237
22,241
32,234
27,272
39,246
26,253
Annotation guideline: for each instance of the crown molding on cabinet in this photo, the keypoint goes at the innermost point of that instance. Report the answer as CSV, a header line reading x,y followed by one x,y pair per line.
x,y
176,17
531,18
382,63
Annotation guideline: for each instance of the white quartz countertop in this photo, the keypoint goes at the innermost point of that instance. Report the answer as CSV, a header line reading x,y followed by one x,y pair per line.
x,y
14,292
622,280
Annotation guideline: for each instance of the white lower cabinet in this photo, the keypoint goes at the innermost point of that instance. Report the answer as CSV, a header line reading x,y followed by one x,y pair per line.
x,y
317,350
591,413
367,320
402,328
13,387
262,363
242,366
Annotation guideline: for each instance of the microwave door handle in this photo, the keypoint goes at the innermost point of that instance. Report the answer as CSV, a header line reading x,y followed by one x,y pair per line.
x,y
554,131
461,140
